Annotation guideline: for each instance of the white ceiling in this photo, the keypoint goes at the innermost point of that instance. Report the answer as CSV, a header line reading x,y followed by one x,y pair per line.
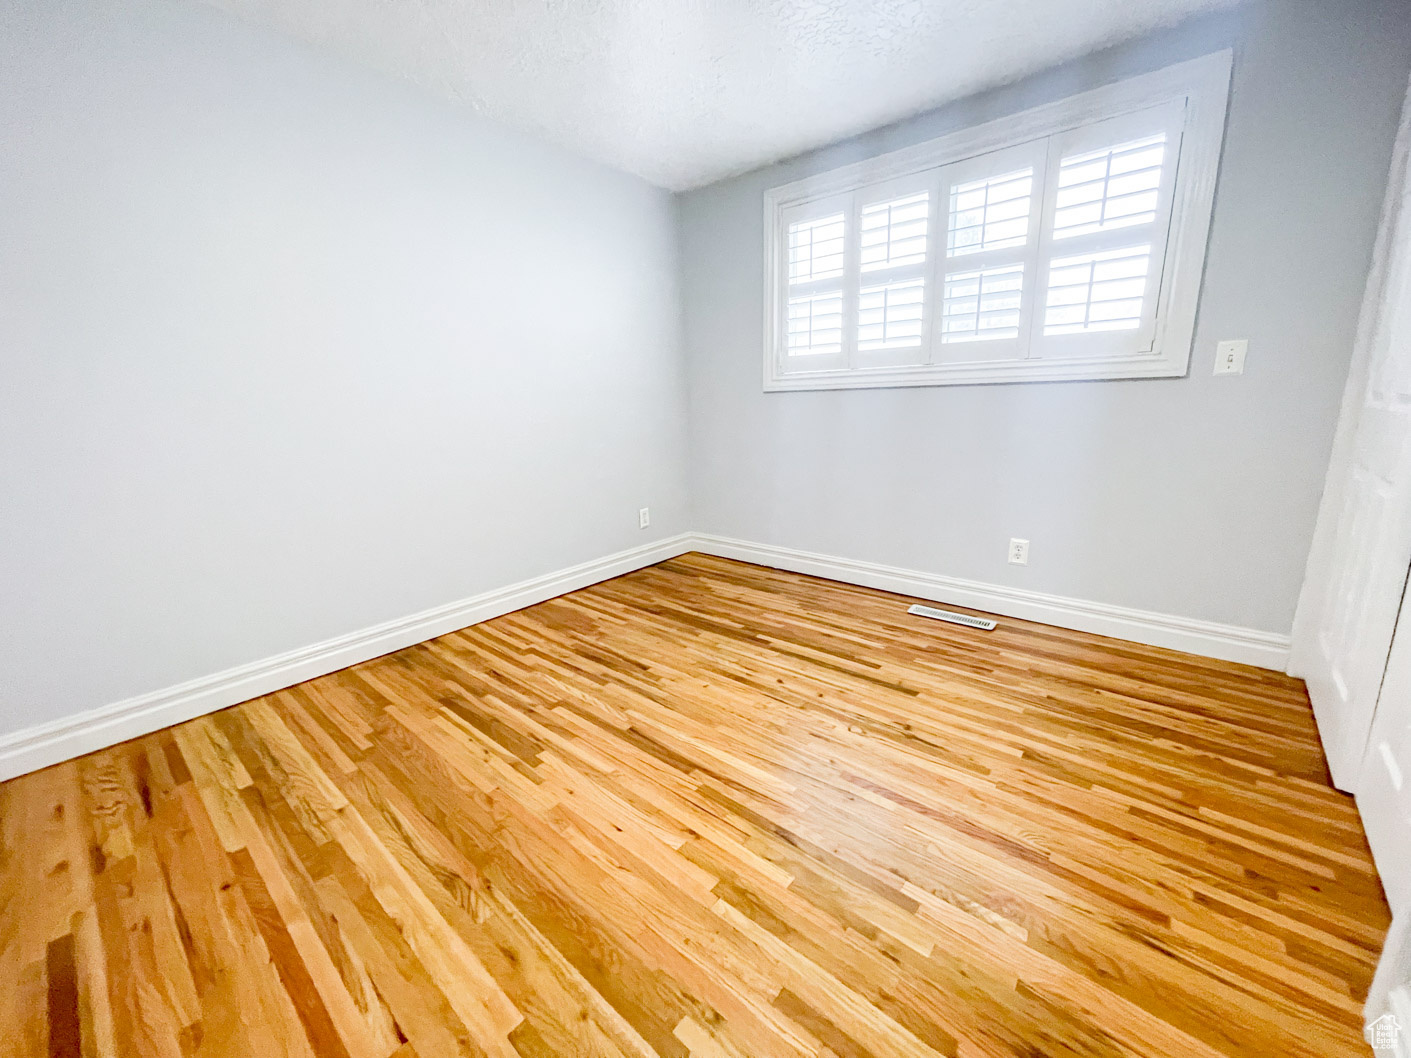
x,y
684,92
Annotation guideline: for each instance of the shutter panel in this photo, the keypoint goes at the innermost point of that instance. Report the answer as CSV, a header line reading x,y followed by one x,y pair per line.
x,y
895,237
1104,241
987,273
814,286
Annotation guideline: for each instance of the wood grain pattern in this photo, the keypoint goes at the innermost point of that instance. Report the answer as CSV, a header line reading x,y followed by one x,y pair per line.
x,y
705,809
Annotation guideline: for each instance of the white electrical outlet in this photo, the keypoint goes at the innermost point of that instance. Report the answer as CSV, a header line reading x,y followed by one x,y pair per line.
x,y
1018,552
1229,357
644,517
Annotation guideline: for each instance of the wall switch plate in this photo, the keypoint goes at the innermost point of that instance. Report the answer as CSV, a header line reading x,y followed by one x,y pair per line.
x,y
1229,357
1018,552
644,517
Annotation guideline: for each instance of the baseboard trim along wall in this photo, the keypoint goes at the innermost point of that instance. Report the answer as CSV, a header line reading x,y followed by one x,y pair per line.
x,y
72,736
1207,638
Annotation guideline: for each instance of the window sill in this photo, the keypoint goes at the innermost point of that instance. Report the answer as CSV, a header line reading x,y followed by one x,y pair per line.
x,y
1103,369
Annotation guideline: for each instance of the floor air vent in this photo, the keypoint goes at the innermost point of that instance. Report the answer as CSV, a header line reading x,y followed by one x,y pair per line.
x,y
953,618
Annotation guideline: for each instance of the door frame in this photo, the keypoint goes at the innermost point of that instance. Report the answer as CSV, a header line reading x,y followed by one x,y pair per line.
x,y
1305,654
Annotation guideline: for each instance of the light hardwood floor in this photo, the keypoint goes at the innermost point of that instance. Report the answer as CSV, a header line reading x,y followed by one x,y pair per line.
x,y
703,809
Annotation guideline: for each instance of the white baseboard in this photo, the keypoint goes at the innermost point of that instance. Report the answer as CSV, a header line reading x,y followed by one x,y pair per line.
x,y
72,736
1207,638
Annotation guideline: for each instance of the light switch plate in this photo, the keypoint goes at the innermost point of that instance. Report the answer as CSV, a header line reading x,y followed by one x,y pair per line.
x,y
1229,357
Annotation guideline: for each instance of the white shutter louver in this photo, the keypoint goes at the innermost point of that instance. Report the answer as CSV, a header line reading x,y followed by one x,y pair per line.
x,y
982,306
1097,291
894,233
990,214
816,324
1115,187
816,249
890,317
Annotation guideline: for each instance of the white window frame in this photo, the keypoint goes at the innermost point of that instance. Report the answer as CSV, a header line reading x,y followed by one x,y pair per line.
x,y
1194,93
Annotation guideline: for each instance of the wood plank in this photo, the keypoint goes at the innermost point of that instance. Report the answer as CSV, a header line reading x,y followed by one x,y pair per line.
x,y
704,809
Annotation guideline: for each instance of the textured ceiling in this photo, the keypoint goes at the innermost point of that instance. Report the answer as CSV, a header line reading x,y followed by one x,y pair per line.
x,y
684,92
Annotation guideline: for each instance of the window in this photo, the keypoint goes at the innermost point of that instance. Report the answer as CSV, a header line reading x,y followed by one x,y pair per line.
x,y
1066,242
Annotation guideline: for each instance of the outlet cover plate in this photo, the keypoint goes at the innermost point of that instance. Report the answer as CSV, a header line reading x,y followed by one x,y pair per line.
x,y
1229,357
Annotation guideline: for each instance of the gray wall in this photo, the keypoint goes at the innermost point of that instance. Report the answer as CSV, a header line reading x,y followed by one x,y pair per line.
x,y
288,350
1193,496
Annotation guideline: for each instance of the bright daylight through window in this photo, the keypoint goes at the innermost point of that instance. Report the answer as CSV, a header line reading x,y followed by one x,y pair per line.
x,y
1065,242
